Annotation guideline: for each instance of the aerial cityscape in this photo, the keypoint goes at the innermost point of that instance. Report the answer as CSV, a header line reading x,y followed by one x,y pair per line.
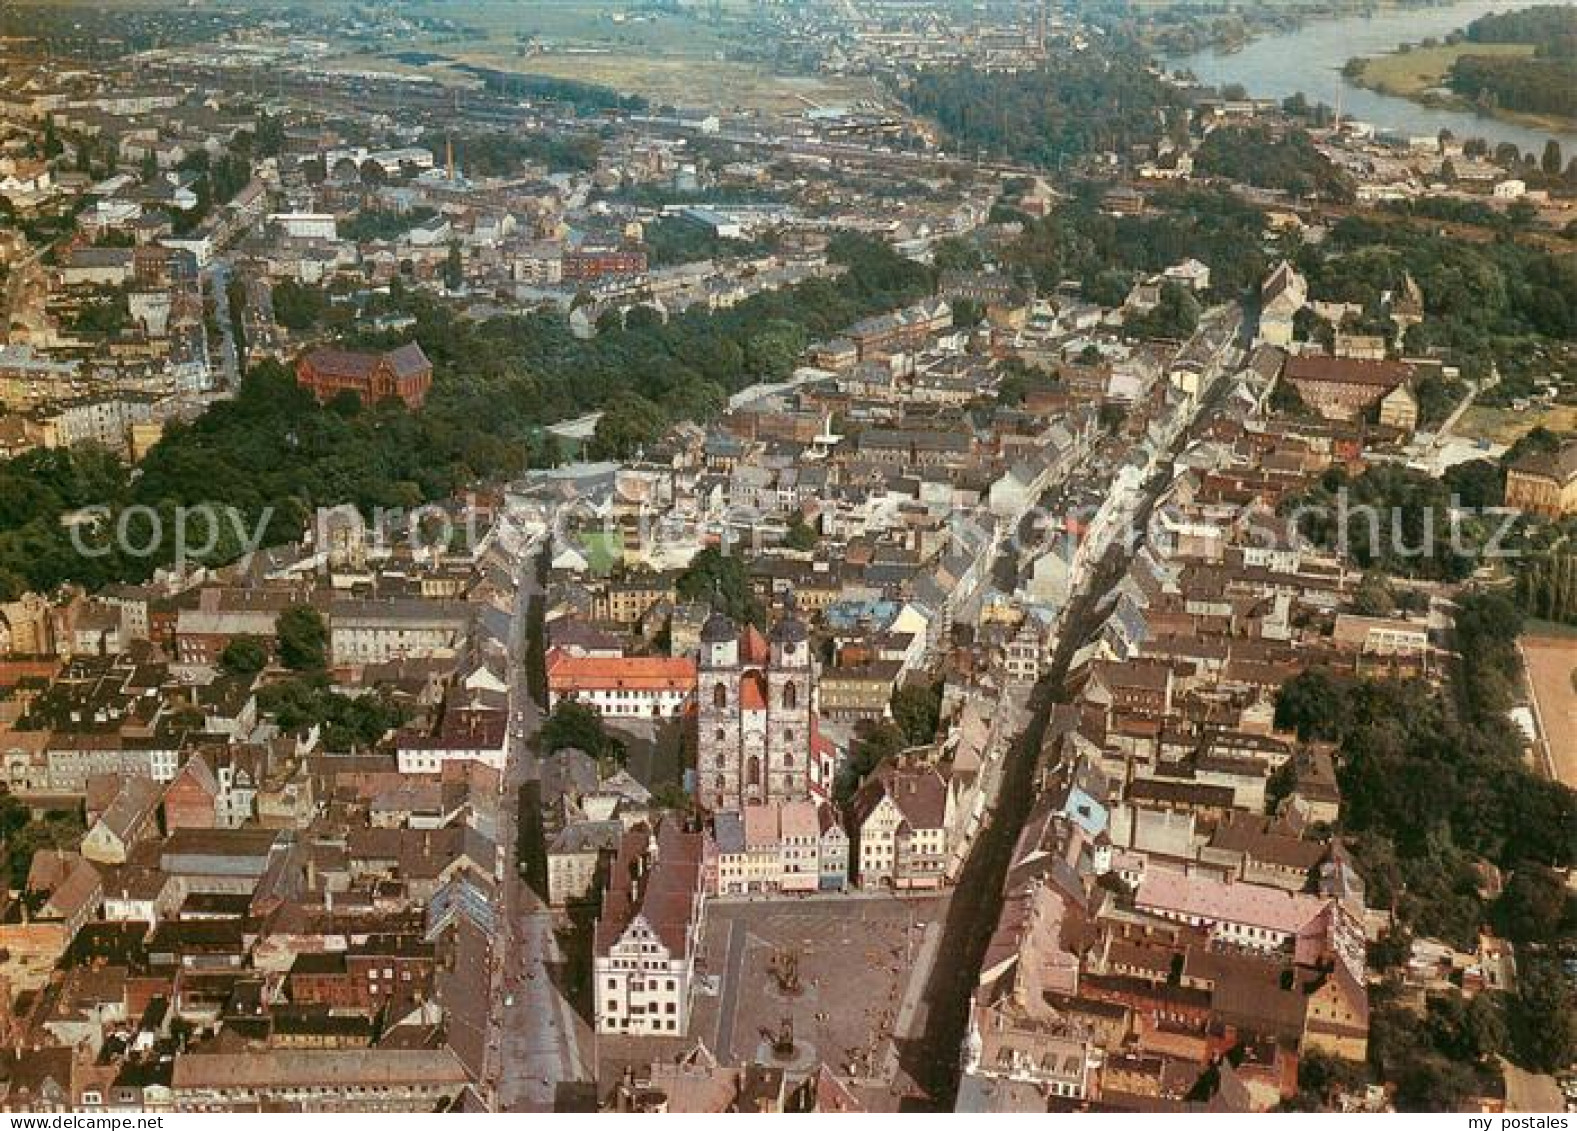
x,y
859,556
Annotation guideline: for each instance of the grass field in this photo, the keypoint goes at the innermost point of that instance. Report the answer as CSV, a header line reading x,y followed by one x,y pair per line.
x,y
1420,74
1413,73
1503,426
672,58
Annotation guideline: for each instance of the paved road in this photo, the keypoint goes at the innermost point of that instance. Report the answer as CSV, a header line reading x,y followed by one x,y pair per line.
x,y
932,1057
537,1037
217,279
733,968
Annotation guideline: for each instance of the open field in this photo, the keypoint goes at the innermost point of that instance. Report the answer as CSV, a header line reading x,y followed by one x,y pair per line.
x,y
690,82
1551,662
1410,74
671,58
576,22
677,58
1504,426
1420,75
857,958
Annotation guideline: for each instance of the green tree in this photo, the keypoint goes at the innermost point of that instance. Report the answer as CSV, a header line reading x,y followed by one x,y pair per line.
x,y
967,313
58,828
801,535
1551,163
345,723
1323,1078
574,725
303,638
1374,597
954,253
629,423
297,306
1312,704
1543,1015
771,354
1466,1029
917,709
869,750
245,655
721,579
1535,905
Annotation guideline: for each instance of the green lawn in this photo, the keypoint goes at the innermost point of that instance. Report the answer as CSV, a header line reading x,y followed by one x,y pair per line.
x,y
1409,74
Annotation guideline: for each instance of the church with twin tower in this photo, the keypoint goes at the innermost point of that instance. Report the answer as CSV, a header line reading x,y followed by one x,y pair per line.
x,y
756,713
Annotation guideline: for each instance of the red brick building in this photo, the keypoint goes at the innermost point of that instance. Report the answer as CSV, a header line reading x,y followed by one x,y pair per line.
x,y
590,264
404,372
191,800
384,968
1343,388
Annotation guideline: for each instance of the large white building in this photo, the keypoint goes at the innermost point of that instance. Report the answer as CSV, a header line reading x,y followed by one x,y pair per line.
x,y
465,736
399,628
630,687
643,964
1247,915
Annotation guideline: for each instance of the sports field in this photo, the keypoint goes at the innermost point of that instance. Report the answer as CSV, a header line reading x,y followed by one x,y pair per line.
x,y
1551,661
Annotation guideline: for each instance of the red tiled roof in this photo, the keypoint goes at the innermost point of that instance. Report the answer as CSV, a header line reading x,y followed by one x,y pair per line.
x,y
665,895
635,673
753,647
1346,370
753,692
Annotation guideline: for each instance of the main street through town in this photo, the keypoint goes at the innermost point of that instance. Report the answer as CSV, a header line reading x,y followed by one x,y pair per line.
x,y
537,1043
932,1057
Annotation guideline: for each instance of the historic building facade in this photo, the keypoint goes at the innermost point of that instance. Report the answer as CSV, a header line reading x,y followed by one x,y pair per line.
x,y
755,722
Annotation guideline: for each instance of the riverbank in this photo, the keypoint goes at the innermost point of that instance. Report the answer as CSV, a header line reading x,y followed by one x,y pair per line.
x,y
1420,74
1311,61
1169,34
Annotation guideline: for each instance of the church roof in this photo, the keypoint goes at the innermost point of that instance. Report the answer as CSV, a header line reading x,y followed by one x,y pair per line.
x,y
718,629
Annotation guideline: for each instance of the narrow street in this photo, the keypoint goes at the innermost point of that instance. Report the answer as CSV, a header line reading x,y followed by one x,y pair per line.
x,y
217,279
537,1040
933,1058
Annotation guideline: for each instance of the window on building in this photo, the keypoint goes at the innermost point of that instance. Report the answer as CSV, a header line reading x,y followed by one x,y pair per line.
x,y
720,695
790,695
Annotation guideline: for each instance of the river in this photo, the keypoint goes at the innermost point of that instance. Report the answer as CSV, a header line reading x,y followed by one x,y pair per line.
x,y
1311,60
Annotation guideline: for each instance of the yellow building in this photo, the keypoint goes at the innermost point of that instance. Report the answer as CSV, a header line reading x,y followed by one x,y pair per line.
x,y
1544,483
1399,409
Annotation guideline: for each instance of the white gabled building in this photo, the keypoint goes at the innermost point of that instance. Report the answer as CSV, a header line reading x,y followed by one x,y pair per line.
x,y
647,936
464,736
901,820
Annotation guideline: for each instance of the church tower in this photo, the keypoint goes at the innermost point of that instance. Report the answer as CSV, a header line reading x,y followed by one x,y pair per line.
x,y
790,695
718,761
